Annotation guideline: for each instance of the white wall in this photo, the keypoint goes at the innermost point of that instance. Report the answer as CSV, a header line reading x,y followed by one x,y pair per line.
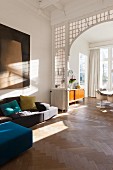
x,y
18,16
80,45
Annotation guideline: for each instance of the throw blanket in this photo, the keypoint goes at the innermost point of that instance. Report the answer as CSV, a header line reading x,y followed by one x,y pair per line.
x,y
23,113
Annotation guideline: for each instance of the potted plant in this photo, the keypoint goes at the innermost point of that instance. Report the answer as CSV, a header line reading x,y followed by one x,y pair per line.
x,y
71,81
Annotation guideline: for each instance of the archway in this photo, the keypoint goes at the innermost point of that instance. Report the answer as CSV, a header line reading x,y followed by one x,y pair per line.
x,y
63,37
99,36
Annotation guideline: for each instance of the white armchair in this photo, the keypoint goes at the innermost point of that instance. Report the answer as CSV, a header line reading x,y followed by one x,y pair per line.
x,y
110,99
100,96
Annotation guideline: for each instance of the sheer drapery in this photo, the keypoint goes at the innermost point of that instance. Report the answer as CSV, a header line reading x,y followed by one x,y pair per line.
x,y
94,72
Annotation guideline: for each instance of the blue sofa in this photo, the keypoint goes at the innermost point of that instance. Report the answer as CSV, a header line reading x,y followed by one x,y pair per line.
x,y
14,139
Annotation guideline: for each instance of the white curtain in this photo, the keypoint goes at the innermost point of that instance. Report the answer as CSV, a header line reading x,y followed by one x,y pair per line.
x,y
94,72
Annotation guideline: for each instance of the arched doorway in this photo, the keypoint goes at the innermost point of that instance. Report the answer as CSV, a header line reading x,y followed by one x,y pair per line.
x,y
64,35
97,37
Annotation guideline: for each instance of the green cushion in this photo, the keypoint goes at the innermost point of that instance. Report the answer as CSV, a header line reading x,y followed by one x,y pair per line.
x,y
10,108
27,102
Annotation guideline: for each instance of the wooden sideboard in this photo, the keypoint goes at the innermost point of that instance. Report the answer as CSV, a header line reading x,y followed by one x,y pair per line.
x,y
61,97
76,94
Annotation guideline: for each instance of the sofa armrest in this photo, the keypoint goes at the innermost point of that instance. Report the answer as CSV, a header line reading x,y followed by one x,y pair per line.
x,y
5,119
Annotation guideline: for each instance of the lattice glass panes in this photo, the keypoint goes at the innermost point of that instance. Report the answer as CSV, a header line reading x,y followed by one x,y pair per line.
x,y
60,69
60,37
77,27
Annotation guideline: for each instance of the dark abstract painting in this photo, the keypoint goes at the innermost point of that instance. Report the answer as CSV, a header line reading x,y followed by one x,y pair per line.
x,y
14,58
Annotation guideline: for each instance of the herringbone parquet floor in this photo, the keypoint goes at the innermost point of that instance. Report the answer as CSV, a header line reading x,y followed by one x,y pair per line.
x,y
81,139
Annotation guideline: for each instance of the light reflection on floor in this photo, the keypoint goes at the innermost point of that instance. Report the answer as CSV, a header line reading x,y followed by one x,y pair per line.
x,y
48,130
76,106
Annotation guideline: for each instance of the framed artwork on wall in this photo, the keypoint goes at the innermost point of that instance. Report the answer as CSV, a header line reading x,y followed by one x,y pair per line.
x,y
14,58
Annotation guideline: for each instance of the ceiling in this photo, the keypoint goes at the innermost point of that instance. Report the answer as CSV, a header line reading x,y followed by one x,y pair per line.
x,y
101,32
48,3
61,10
98,33
47,6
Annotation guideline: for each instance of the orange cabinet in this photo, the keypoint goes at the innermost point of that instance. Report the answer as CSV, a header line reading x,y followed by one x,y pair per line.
x,y
71,95
79,94
76,94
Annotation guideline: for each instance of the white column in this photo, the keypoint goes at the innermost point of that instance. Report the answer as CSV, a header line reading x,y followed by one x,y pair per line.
x,y
53,57
66,63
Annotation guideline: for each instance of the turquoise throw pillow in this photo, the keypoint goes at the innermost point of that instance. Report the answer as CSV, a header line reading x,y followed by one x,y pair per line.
x,y
10,108
9,111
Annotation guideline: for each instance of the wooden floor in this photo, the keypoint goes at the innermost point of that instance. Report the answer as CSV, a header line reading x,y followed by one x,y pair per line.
x,y
81,139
